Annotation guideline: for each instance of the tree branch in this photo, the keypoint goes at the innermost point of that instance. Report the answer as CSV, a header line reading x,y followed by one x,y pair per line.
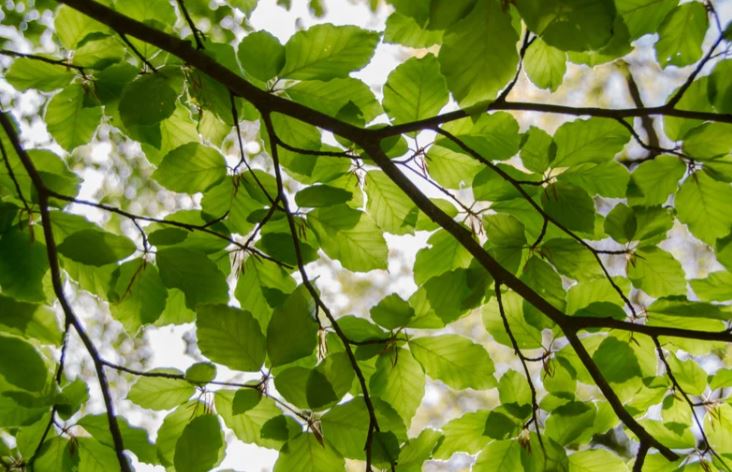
x,y
56,280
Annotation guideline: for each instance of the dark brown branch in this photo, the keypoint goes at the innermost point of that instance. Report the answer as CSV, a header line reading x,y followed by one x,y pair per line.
x,y
373,422
640,457
56,281
522,358
197,34
685,396
589,322
674,100
137,52
47,60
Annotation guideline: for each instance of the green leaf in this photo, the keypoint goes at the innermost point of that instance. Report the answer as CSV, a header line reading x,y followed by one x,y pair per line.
x,y
389,207
596,460
359,246
23,264
514,393
720,86
545,65
652,181
147,101
29,320
399,381
230,336
247,425
201,373
592,140
701,205
95,457
499,455
392,312
335,96
475,69
415,90
405,30
656,272
326,51
21,364
708,141
455,360
681,34
199,445
570,205
570,25
463,434
616,360
506,239
194,274
292,331
418,450
160,393
97,248
345,427
261,55
644,16
72,26
443,255
717,286
322,195
69,121
25,73
191,168
136,296
305,453
621,223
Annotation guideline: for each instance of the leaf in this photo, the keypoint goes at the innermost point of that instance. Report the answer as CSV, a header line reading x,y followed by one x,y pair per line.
x,y
545,65
322,195
29,320
201,373
292,331
616,360
21,364
191,168
70,122
197,449
345,427
475,69
700,203
160,393
455,360
593,140
360,245
389,207
621,223
652,181
194,274
136,295
247,425
261,55
23,264
717,286
570,205
570,25
147,101
392,312
681,34
25,73
95,457
415,90
596,460
405,30
399,381
644,16
656,272
335,96
97,248
326,51
305,453
499,455
230,337
72,26
708,141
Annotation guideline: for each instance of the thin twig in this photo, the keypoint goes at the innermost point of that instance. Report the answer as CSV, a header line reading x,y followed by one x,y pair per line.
x,y
197,34
517,350
137,52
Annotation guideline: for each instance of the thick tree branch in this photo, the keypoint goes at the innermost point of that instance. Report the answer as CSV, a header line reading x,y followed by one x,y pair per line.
x,y
56,280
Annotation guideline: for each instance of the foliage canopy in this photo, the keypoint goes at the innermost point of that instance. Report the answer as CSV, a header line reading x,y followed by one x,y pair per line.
x,y
570,244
